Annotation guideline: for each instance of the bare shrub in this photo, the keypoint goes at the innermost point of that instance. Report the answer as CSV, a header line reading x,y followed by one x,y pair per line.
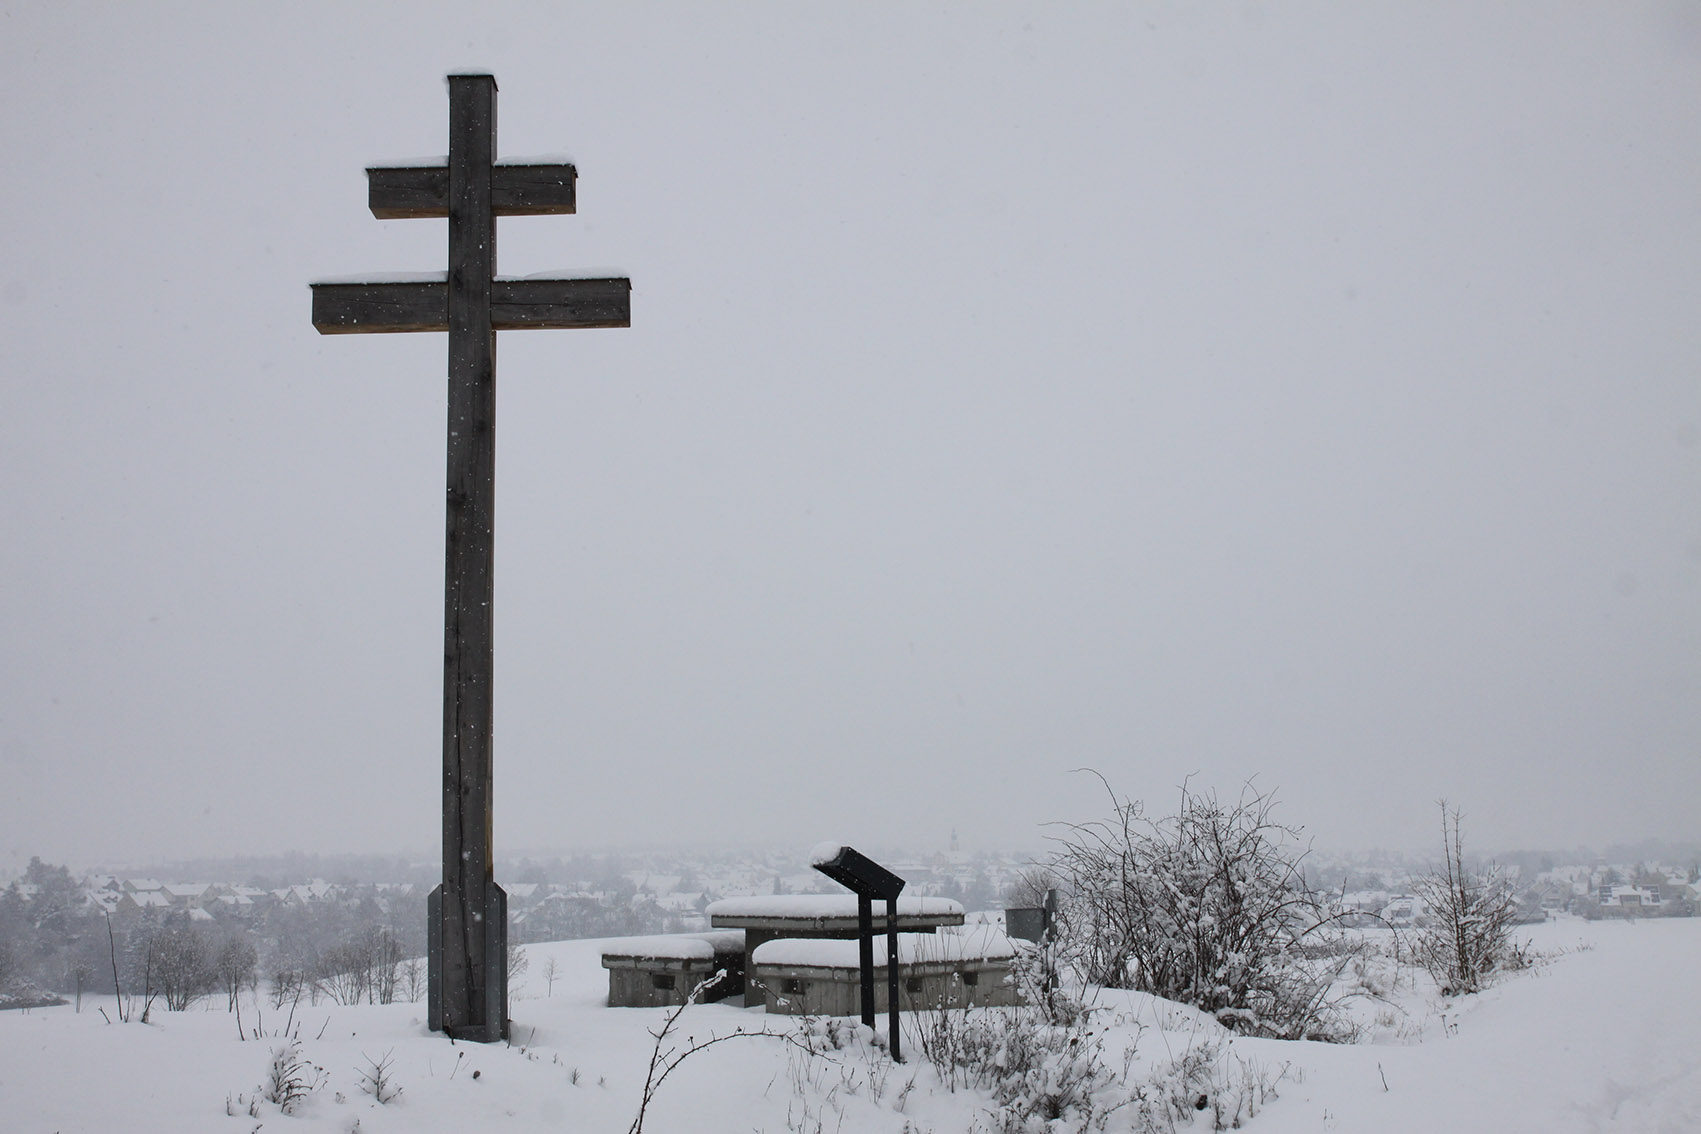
x,y
1029,887
287,986
236,964
1208,907
1037,973
174,960
1043,1076
1471,918
378,1077
551,969
364,966
384,961
290,1077
518,963
341,973
1054,1077
412,978
1205,1081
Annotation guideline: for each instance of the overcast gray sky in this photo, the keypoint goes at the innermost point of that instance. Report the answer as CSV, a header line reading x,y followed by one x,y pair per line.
x,y
1303,391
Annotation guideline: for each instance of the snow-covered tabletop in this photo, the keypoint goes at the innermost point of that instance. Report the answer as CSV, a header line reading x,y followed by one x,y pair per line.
x,y
802,909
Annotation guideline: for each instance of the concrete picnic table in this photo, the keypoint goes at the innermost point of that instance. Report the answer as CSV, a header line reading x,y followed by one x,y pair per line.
x,y
770,917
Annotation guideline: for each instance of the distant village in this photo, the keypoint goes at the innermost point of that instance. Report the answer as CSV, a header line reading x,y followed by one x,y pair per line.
x,y
1619,890
668,893
564,897
548,899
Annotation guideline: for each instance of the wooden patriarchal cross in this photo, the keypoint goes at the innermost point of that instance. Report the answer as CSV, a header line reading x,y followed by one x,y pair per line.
x,y
468,912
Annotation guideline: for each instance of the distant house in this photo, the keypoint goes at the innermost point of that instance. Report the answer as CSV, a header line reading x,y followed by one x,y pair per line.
x,y
1552,895
188,895
1629,897
102,901
142,901
305,895
1365,901
1403,909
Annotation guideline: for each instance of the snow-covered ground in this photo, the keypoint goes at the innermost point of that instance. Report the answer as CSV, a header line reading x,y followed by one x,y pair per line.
x,y
1604,1036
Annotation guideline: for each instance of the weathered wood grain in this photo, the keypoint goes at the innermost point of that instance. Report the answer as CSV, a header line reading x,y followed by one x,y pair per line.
x,y
380,308
396,192
470,972
515,305
560,304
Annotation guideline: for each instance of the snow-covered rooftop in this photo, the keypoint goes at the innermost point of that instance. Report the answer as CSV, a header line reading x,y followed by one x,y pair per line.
x,y
677,946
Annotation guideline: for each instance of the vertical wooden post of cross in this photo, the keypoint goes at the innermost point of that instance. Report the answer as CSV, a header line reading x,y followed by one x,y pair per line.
x,y
474,925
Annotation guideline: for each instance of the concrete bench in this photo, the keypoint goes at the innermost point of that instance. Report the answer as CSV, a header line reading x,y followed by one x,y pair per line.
x,y
661,971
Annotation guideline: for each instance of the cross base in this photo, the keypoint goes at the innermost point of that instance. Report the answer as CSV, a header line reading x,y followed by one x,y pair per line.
x,y
491,1008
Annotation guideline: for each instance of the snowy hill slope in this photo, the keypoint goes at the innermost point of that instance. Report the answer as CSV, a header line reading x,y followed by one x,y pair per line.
x,y
1603,1037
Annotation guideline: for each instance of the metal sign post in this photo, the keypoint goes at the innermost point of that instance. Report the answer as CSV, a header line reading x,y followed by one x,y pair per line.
x,y
869,880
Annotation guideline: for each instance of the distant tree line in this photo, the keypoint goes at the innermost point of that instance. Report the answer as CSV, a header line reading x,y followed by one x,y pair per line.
x,y
365,945
56,942
46,937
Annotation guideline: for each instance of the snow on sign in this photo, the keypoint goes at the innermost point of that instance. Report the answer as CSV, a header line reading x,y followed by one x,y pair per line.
x,y
468,931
